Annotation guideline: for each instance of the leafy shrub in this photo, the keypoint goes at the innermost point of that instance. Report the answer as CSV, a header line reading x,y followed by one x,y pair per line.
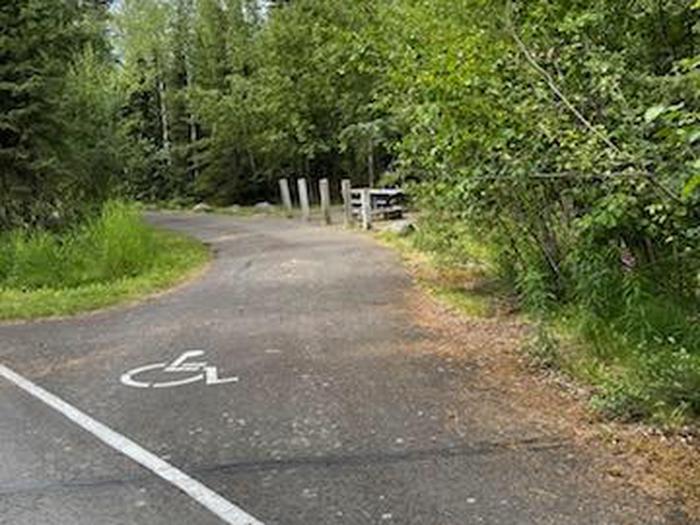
x,y
569,146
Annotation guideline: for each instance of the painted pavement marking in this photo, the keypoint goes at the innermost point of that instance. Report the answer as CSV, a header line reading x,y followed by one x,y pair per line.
x,y
206,497
202,370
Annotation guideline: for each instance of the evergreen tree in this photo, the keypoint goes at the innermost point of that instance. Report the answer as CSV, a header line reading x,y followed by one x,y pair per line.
x,y
39,40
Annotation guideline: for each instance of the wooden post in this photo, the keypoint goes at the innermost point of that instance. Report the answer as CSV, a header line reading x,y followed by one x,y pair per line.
x,y
346,190
304,199
286,196
325,193
366,209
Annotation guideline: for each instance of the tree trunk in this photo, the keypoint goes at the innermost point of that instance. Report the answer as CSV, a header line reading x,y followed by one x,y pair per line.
x,y
164,117
370,163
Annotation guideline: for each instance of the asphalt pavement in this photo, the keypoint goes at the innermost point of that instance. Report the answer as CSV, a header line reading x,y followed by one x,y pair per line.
x,y
281,379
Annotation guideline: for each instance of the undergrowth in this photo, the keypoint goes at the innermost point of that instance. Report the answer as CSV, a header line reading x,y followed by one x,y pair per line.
x,y
113,257
635,344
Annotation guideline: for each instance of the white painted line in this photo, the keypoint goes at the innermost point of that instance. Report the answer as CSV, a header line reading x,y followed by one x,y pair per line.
x,y
206,497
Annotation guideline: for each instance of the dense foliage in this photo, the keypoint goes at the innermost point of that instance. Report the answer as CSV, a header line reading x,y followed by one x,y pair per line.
x,y
230,97
56,151
566,135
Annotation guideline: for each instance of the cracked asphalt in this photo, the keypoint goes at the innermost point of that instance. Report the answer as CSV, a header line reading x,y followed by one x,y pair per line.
x,y
333,420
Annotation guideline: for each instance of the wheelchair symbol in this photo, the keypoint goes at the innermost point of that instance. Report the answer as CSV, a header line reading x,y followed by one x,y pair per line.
x,y
202,372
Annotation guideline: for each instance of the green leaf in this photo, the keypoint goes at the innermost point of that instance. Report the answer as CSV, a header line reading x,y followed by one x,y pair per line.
x,y
653,113
692,184
694,135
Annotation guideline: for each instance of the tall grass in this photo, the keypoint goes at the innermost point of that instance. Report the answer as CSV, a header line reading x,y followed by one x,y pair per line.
x,y
113,245
631,335
114,257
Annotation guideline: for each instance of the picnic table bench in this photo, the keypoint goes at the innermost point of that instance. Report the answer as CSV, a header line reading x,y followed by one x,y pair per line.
x,y
387,204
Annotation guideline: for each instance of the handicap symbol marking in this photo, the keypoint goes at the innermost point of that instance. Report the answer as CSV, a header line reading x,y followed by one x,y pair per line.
x,y
201,369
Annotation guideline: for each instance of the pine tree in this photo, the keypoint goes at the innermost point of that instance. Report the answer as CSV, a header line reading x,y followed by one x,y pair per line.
x,y
39,40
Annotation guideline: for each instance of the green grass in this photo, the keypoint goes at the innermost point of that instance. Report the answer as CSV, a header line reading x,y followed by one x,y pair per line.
x,y
633,376
114,258
471,287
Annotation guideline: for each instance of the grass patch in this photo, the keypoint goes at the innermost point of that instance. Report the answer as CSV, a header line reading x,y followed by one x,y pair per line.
x,y
113,258
470,288
632,377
